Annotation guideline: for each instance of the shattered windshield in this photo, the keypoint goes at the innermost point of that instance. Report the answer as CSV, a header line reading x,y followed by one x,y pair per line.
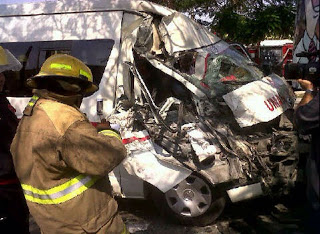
x,y
218,69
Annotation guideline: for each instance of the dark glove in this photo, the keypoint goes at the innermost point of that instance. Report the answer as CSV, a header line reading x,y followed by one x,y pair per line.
x,y
104,125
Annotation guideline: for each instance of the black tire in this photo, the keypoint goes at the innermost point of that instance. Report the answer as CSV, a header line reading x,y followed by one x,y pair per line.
x,y
191,202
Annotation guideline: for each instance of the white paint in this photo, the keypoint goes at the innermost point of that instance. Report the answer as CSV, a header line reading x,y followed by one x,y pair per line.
x,y
252,104
63,6
143,162
180,33
245,192
202,147
81,26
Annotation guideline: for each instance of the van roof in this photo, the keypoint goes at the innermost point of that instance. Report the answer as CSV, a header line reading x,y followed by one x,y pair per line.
x,y
65,6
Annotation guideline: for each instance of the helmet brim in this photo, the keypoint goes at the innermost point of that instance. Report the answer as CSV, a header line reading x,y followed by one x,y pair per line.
x,y
33,82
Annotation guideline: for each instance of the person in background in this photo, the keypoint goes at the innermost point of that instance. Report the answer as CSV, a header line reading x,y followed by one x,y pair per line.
x,y
14,214
61,159
307,122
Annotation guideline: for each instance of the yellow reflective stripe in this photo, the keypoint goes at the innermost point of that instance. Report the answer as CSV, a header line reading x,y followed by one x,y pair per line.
x,y
64,198
54,189
33,100
110,133
125,230
86,74
60,66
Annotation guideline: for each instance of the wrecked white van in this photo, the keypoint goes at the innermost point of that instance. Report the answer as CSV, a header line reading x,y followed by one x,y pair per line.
x,y
200,122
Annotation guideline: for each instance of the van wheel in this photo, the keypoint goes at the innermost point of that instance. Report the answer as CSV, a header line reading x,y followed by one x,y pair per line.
x,y
191,202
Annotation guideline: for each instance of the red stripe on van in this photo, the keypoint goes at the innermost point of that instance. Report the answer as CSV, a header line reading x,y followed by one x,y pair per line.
x,y
131,139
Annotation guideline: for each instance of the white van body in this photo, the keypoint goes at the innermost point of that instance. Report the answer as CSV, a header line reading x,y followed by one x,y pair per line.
x,y
199,150
85,20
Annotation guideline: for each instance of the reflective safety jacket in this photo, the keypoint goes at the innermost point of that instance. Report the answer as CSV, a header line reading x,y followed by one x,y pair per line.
x,y
62,163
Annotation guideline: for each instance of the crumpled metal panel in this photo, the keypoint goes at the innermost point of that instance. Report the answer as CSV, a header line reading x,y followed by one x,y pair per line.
x,y
143,162
260,101
206,151
145,159
179,33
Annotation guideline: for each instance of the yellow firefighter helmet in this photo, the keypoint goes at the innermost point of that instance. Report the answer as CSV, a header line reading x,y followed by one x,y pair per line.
x,y
65,69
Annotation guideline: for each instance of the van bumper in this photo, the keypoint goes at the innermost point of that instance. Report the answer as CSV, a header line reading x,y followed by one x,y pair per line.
x,y
245,192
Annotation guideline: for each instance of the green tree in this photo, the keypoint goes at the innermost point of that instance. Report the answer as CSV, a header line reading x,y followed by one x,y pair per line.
x,y
272,21
246,21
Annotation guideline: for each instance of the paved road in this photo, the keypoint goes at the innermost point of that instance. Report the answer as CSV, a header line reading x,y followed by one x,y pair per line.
x,y
262,215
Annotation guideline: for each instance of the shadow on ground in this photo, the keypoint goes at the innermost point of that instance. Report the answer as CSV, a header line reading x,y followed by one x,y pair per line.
x,y
258,216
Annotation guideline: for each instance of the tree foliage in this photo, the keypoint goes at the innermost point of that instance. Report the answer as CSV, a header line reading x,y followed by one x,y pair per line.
x,y
245,21
273,21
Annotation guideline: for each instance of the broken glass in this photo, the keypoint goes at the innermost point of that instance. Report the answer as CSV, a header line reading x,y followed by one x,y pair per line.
x,y
218,69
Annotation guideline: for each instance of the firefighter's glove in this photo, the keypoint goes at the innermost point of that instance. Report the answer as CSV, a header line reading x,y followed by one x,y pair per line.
x,y
104,125
108,129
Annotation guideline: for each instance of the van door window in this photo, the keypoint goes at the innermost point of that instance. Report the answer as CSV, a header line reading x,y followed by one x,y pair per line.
x,y
94,53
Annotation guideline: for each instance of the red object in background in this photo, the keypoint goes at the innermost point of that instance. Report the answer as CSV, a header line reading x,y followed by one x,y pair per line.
x,y
228,78
287,50
254,54
205,85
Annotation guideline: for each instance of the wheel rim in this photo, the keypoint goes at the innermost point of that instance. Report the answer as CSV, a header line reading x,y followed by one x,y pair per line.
x,y
192,197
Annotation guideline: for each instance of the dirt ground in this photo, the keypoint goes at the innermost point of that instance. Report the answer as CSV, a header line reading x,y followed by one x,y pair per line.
x,y
261,215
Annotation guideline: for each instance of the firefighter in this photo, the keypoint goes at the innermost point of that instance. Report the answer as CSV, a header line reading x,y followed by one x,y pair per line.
x,y
61,159
14,214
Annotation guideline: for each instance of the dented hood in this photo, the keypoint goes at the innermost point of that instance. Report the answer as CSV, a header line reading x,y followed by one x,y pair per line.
x,y
179,33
